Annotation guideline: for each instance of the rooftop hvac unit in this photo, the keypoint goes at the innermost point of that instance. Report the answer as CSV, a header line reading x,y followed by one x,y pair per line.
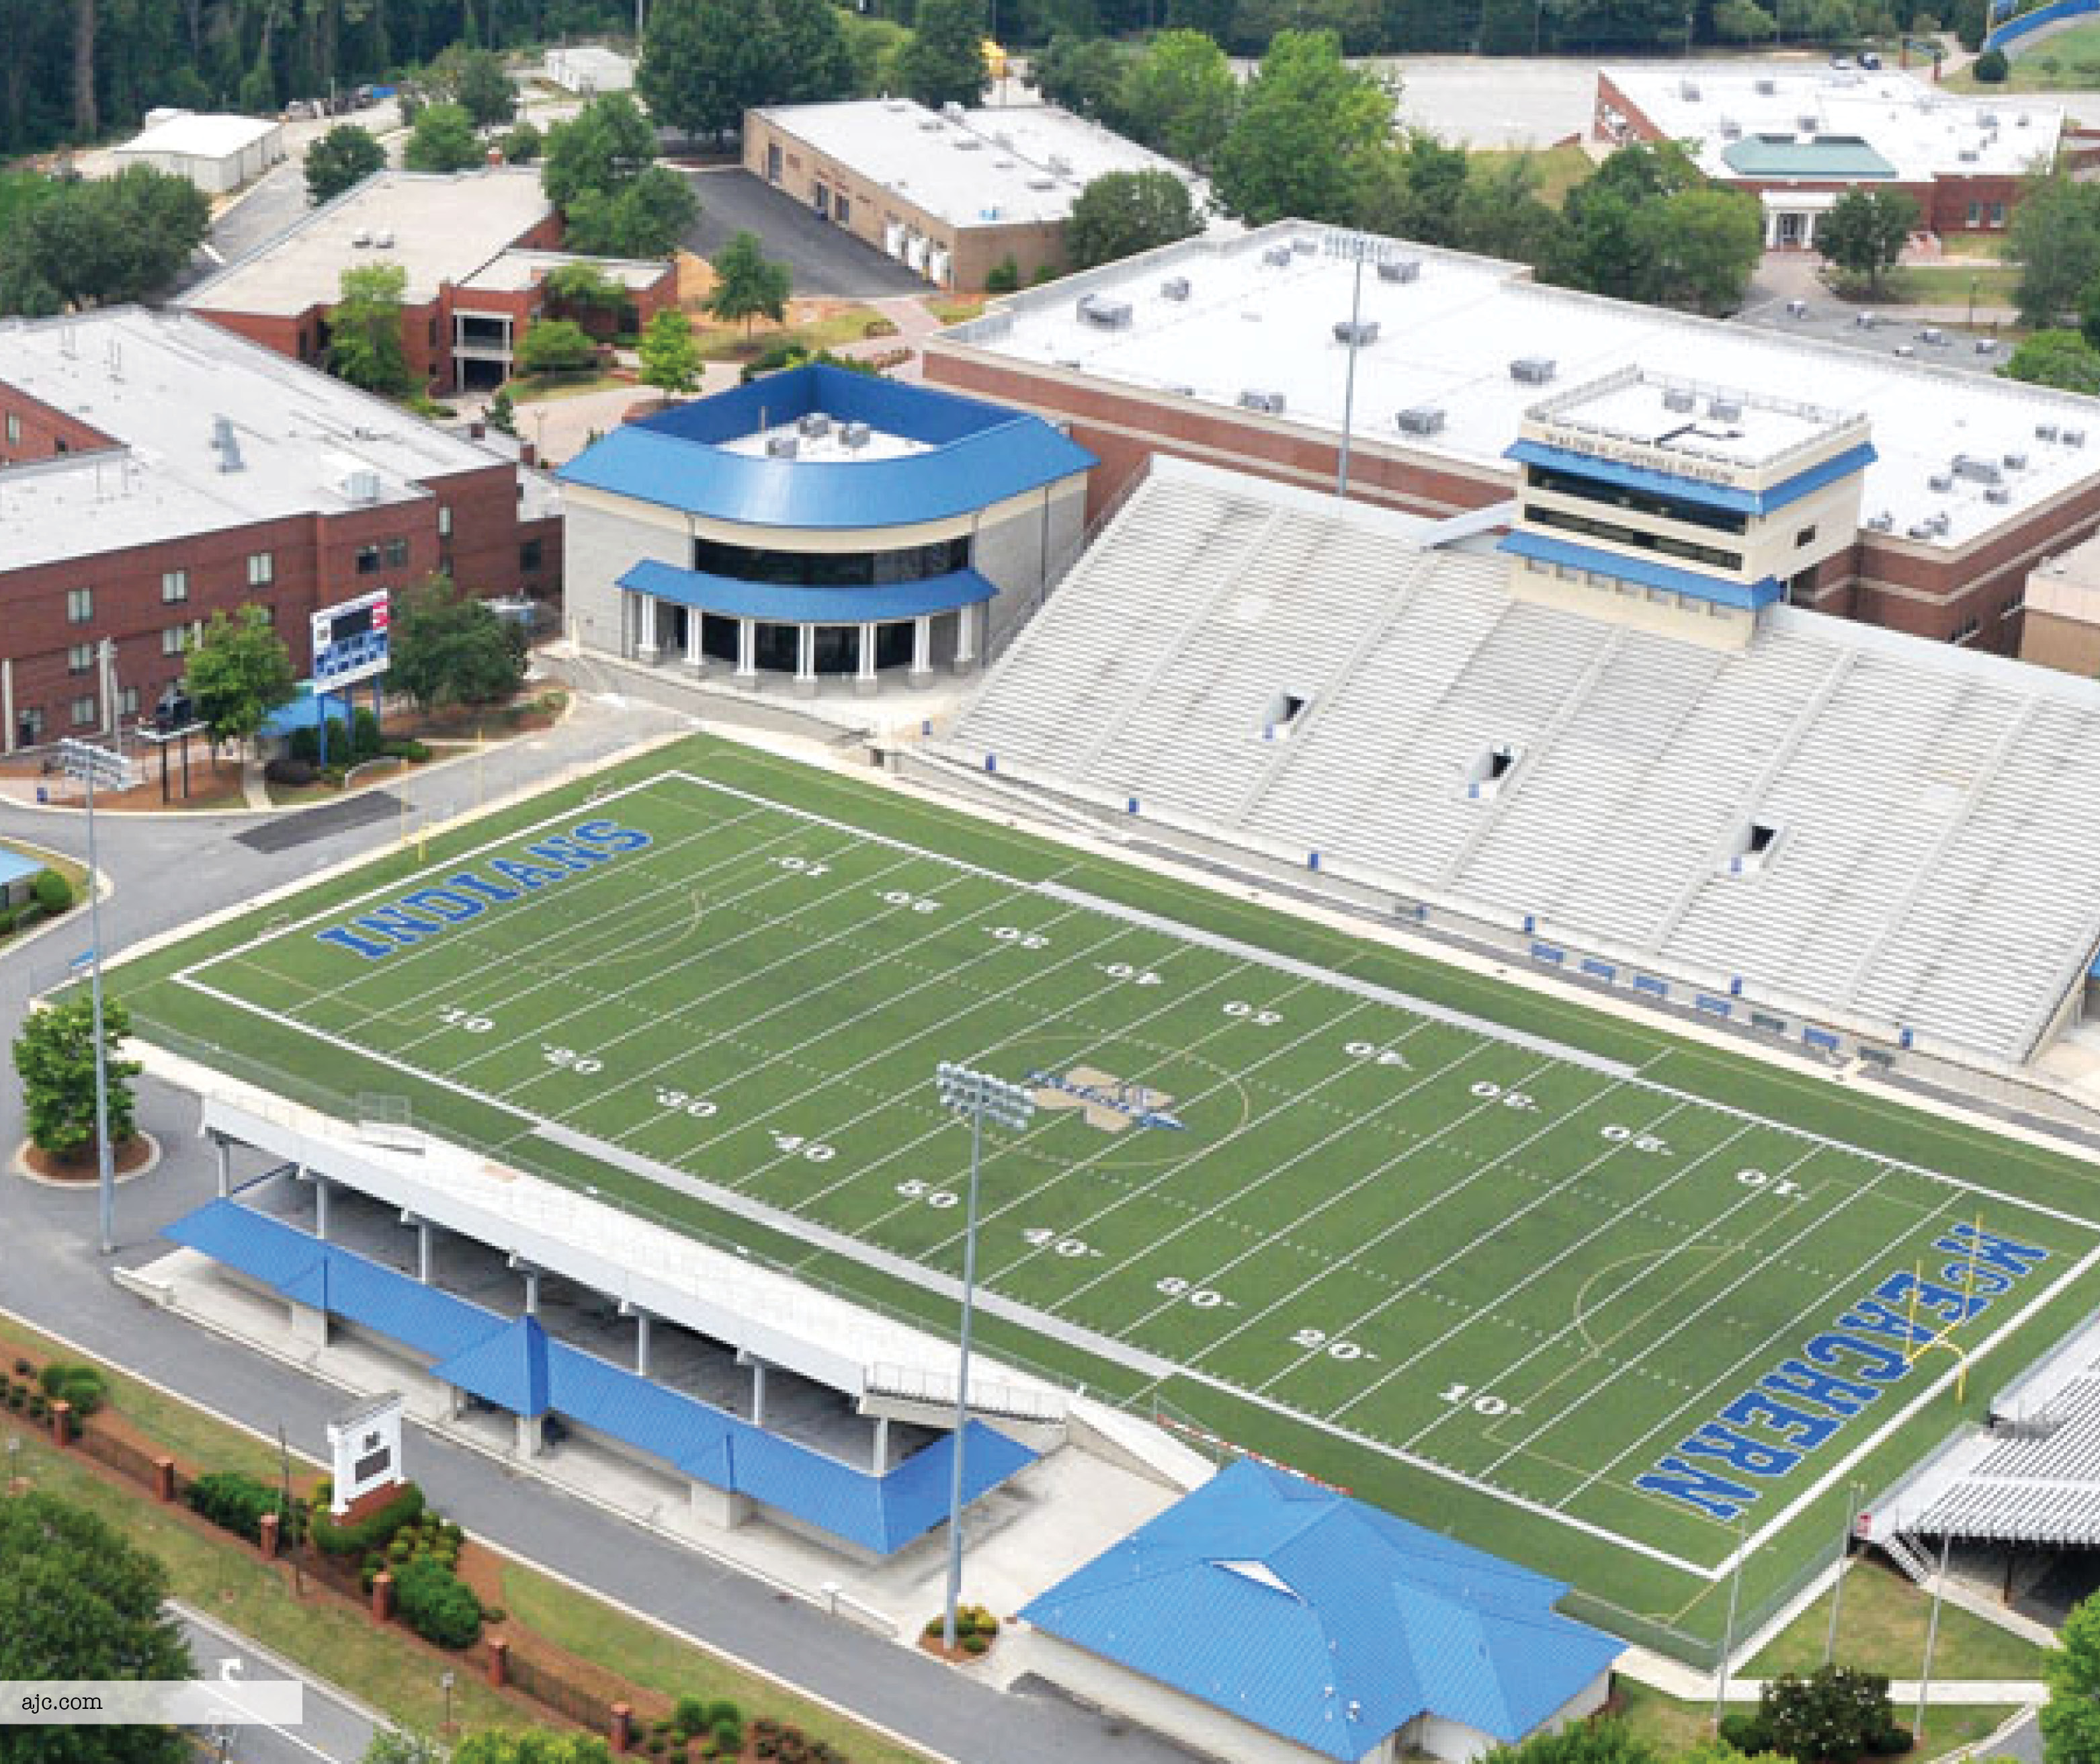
x,y
1731,130
1174,287
361,238
1401,270
1934,335
1998,493
1688,90
1003,138
1277,256
929,125
1920,530
1680,399
1059,164
1532,370
952,111
1942,482
1041,183
1182,392
782,447
895,103
2045,431
1359,332
383,240
222,431
2016,462
1939,523
1807,124
2074,437
1976,470
1002,165
1883,522
1421,419
361,486
1270,403
1766,88
1302,246
968,144
1725,410
853,435
1968,156
2021,121
1100,310
814,424
1988,120
1986,345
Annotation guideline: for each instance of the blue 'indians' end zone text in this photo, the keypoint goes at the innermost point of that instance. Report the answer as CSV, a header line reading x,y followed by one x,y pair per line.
x,y
426,912
1765,1432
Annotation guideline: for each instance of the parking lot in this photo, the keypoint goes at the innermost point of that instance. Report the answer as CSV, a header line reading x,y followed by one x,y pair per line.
x,y
1895,331
826,261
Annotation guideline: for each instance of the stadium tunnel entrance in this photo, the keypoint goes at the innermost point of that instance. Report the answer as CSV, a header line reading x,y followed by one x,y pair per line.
x,y
802,654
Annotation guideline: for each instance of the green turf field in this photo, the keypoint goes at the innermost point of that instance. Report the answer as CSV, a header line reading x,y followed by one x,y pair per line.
x,y
1484,1256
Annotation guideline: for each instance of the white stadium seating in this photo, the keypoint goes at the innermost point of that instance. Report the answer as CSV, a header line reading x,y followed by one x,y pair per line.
x,y
1934,814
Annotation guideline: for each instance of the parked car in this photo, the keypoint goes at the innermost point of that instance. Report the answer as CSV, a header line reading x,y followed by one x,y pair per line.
x,y
1870,59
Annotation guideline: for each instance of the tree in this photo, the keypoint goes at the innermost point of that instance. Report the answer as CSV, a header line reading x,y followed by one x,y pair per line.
x,y
78,1600
1179,96
748,284
365,330
1085,75
94,243
341,160
1865,232
1836,1712
1499,214
1743,21
1412,192
706,62
1707,245
2071,1718
522,144
1990,68
55,1058
446,647
391,1746
443,140
1122,212
502,411
645,217
670,359
585,286
483,89
2061,358
554,346
944,63
604,147
2055,235
238,673
1306,120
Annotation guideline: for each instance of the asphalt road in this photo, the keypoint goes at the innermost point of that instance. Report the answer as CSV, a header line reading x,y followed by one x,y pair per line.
x,y
825,261
333,1730
168,871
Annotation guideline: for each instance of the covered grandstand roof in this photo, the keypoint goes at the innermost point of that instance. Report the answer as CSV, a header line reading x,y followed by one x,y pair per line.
x,y
1926,817
929,454
514,1364
1325,1620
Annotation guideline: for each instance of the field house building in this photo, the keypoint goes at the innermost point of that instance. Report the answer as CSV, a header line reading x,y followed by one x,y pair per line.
x,y
816,526
155,468
1233,352
1798,137
952,195
476,247
215,153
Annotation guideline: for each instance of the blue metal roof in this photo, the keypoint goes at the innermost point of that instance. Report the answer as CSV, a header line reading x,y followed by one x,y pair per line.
x,y
1324,1620
1644,571
788,604
514,1364
976,454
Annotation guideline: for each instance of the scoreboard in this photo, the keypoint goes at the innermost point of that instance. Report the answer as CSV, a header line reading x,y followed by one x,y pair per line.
x,y
350,640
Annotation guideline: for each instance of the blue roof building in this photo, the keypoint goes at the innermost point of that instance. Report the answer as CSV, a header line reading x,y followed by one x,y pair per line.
x,y
1287,1619
818,531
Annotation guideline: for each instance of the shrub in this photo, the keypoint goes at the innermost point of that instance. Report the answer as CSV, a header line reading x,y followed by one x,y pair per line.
x,y
976,1643
1892,1741
286,770
435,1603
364,737
1744,1732
1990,68
303,745
375,1531
722,1713
1003,277
6,922
729,1737
879,326
52,891
689,1715
22,1368
79,1386
38,1407
236,1502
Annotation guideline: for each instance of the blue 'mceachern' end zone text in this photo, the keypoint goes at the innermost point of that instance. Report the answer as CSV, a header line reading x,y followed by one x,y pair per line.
x,y
1790,1411
427,912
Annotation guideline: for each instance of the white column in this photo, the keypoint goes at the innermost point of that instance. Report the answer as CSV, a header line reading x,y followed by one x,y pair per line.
x,y
806,661
747,652
879,1464
1772,229
531,1291
695,657
224,1154
966,638
321,1208
864,682
642,1320
425,1248
531,1435
7,704
645,627
758,1393
922,649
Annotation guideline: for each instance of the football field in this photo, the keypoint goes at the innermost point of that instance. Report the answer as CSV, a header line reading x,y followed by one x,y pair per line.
x,y
1334,1217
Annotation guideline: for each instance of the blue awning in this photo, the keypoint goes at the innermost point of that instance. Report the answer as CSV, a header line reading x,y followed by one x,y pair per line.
x,y
1646,572
783,603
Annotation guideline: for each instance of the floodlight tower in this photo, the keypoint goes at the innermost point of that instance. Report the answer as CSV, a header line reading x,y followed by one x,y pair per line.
x,y
96,765
980,1096
1358,249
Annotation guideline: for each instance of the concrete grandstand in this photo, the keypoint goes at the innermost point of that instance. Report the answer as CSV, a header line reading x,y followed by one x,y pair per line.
x,y
1859,843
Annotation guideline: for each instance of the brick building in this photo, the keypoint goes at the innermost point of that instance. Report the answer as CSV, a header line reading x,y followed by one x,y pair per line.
x,y
1233,352
1798,137
155,468
475,248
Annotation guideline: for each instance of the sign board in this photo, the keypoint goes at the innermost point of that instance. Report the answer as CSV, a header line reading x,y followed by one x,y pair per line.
x,y
350,640
364,1451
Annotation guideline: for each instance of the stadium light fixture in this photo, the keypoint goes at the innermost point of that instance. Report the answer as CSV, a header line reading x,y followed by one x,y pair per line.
x,y
1358,249
94,765
980,1097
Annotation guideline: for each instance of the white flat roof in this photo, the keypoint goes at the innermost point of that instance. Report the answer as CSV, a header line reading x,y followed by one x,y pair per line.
x,y
193,136
1699,421
513,271
1446,340
155,382
829,447
1921,133
443,228
989,167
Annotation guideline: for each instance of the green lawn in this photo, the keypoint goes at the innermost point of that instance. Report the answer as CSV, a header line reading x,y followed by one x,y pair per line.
x,y
1560,168
1951,285
733,343
2067,61
1881,1623
1673,1727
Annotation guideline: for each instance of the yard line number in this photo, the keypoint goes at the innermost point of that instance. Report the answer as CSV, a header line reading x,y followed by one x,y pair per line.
x,y
1480,1402
1376,1055
794,1145
472,1022
1203,1297
1488,1092
1634,1140
1770,1183
1138,976
1334,1347
568,1060
1071,1248
1252,1013
684,1103
911,902
802,866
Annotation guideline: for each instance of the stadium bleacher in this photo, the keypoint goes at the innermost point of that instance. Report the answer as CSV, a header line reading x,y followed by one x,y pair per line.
x,y
1852,826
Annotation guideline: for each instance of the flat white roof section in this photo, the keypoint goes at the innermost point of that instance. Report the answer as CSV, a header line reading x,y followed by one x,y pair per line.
x,y
1695,422
515,272
826,442
1753,121
1258,313
191,136
438,228
156,383
985,168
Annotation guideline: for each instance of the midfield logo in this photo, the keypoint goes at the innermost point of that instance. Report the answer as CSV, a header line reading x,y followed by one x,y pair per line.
x,y
1105,1100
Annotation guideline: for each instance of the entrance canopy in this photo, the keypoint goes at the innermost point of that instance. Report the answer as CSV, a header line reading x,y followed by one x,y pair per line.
x,y
785,603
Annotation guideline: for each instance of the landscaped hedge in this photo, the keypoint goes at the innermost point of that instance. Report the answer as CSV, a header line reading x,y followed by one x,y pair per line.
x,y
52,893
79,1386
236,1502
435,1603
375,1531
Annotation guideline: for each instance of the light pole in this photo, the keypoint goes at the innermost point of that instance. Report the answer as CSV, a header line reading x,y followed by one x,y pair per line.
x,y
445,1685
1358,249
93,765
1728,1635
1852,1492
980,1096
